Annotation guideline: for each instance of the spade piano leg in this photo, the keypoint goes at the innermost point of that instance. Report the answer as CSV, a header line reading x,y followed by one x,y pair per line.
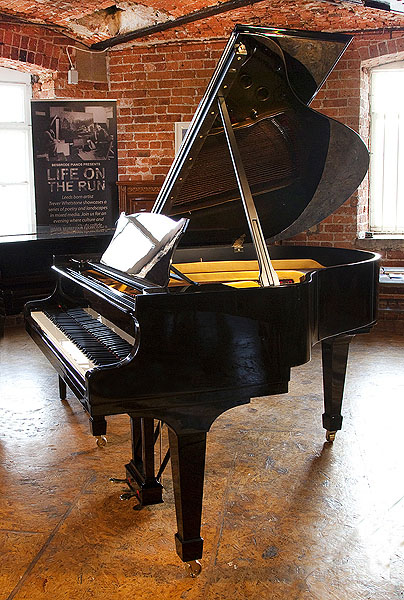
x,y
188,466
98,428
335,358
62,389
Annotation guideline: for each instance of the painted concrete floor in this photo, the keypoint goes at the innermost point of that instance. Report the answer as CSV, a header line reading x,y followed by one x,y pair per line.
x,y
286,516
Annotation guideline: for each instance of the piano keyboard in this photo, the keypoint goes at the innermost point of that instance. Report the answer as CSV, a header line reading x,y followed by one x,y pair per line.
x,y
83,339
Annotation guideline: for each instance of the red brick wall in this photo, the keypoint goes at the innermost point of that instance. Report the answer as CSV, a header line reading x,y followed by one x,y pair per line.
x,y
157,85
42,52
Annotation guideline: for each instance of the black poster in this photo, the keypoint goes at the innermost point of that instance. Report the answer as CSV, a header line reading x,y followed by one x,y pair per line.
x,y
75,164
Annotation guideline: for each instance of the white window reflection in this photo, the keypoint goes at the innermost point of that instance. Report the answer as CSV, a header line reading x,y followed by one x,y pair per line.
x,y
386,149
15,209
17,215
12,103
142,240
13,156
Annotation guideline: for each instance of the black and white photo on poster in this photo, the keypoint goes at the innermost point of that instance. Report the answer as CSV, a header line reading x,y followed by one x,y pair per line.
x,y
75,164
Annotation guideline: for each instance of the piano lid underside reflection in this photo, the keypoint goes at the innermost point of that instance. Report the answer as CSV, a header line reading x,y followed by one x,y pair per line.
x,y
189,312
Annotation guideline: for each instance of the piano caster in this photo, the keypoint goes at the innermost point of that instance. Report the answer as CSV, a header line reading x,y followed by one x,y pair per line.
x,y
330,436
101,441
193,568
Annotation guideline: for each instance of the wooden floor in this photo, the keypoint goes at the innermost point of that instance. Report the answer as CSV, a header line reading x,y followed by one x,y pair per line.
x,y
286,516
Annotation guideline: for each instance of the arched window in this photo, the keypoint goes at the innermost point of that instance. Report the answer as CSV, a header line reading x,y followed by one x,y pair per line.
x,y
16,172
387,149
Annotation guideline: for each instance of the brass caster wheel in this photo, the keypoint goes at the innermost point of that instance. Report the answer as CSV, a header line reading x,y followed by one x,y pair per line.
x,y
330,436
193,568
101,441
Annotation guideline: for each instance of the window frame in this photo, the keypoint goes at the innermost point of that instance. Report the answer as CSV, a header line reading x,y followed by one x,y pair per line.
x,y
377,227
20,78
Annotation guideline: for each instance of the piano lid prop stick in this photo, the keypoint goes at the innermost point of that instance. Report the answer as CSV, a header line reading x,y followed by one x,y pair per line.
x,y
268,276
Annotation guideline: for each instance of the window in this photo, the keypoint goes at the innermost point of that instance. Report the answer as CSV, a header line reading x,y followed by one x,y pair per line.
x,y
16,171
387,149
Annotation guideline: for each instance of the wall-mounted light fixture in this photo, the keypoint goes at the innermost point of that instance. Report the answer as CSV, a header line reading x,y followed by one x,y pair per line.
x,y
92,65
72,74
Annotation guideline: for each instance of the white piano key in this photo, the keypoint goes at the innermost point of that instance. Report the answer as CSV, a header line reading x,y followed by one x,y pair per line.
x,y
76,358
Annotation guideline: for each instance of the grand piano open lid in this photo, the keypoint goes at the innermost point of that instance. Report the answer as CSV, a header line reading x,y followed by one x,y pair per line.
x,y
300,165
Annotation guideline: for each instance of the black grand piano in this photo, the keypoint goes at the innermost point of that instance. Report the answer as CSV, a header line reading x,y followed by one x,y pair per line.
x,y
197,307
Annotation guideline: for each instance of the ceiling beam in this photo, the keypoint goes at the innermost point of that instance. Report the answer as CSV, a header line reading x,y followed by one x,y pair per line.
x,y
217,9
197,15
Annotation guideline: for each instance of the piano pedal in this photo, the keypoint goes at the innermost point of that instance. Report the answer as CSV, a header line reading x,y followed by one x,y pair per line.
x,y
101,441
116,480
129,494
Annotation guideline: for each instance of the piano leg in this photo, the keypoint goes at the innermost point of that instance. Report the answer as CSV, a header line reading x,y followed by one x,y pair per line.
x,y
140,471
335,358
188,467
62,389
98,428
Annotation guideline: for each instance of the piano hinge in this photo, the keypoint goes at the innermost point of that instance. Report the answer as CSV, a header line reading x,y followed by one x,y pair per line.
x,y
238,244
241,49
